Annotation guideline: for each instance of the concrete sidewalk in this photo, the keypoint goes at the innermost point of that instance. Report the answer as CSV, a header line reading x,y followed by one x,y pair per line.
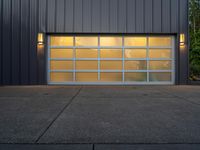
x,y
100,115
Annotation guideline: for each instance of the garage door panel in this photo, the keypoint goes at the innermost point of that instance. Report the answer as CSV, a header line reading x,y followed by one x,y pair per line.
x,y
61,53
61,41
136,76
111,77
102,59
111,53
86,65
111,65
61,65
61,77
136,65
135,53
160,65
86,77
160,53
157,77
86,53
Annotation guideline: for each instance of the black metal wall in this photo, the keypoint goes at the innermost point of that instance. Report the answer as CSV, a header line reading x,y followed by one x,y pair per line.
x,y
21,20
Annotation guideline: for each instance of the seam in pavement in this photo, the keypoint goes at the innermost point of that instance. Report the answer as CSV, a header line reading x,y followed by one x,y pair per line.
x,y
179,97
57,116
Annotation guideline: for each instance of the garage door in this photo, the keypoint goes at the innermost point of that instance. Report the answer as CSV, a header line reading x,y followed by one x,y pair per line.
x,y
110,59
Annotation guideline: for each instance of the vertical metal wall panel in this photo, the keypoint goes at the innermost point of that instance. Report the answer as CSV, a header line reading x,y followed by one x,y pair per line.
x,y
25,38
113,15
131,16
33,41
42,15
148,16
183,57
6,34
1,49
96,15
122,16
51,15
60,18
105,16
21,20
78,15
16,34
174,16
166,22
139,16
69,15
87,18
157,20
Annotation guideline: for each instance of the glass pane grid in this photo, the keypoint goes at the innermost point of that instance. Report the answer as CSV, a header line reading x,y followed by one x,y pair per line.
x,y
104,58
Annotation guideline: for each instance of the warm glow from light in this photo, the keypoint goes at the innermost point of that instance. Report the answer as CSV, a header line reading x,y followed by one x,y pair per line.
x,y
182,39
40,38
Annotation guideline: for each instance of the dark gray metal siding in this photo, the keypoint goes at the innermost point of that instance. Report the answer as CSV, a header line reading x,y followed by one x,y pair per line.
x,y
21,20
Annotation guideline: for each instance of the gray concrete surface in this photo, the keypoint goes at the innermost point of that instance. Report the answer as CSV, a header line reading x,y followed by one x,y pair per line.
x,y
100,115
99,147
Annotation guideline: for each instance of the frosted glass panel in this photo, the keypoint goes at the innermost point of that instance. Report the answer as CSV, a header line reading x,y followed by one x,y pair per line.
x,y
160,53
61,41
110,41
86,65
111,53
86,53
135,76
160,65
111,77
86,77
86,41
160,41
135,41
61,65
111,65
61,77
160,76
135,53
135,65
61,53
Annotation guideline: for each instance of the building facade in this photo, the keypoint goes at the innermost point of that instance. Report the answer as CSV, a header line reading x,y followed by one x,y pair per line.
x,y
93,42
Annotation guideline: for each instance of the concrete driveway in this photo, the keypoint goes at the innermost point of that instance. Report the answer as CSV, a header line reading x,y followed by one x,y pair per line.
x,y
100,115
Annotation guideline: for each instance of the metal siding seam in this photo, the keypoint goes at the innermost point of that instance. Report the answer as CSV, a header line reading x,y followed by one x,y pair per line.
x,y
1,22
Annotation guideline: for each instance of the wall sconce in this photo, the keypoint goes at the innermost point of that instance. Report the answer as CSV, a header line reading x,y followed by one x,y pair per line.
x,y
40,38
182,39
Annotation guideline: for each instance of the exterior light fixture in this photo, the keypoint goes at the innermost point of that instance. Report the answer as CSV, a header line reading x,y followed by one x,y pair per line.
x,y
40,38
182,39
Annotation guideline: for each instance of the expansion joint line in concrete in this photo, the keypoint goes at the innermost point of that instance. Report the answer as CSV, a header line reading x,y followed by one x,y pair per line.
x,y
181,98
57,116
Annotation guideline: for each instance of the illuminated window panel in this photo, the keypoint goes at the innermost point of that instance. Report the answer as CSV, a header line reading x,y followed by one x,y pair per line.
x,y
86,77
135,65
135,41
159,76
61,41
86,65
135,53
135,76
111,65
160,53
111,77
61,53
86,53
61,65
160,41
111,53
61,77
160,65
110,41
86,41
